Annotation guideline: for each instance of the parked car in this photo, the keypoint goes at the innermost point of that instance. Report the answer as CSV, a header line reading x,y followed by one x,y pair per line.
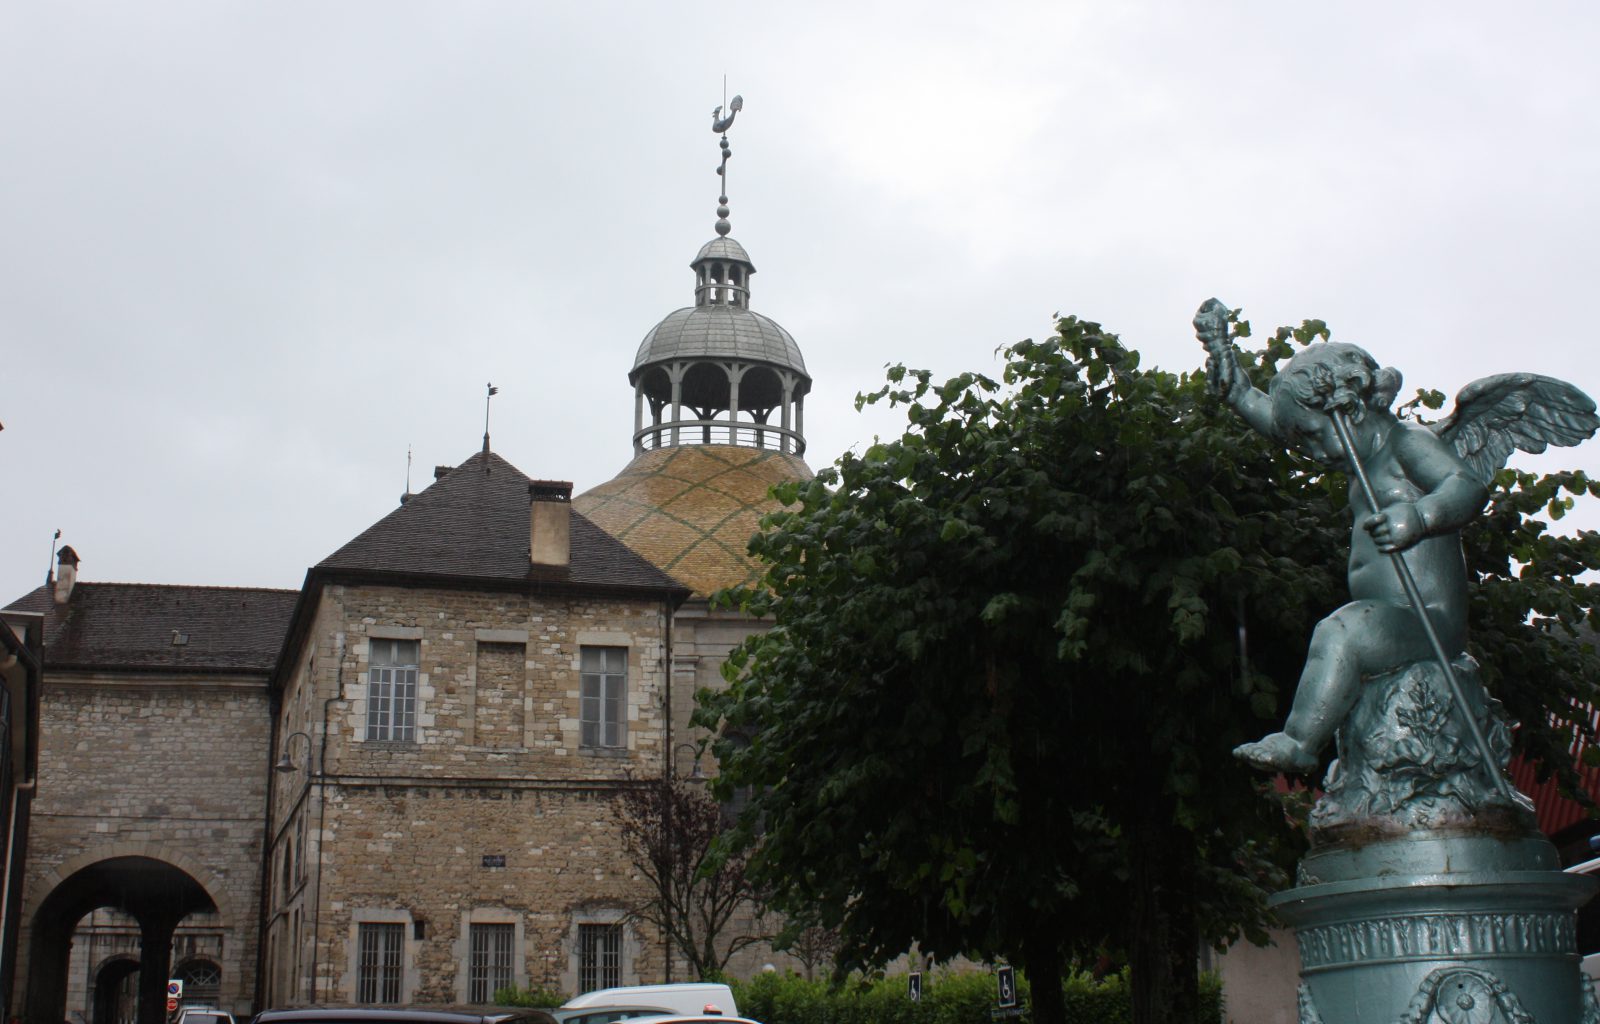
x,y
401,1015
693,1018
688,998
604,1014
202,1015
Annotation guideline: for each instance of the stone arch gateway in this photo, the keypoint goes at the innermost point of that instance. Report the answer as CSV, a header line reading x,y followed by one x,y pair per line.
x,y
155,893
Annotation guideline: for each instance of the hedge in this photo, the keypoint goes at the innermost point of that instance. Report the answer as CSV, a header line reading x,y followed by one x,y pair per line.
x,y
947,998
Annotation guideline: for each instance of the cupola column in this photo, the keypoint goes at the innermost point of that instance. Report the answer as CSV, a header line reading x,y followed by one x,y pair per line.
x,y
735,371
676,373
788,399
638,416
800,423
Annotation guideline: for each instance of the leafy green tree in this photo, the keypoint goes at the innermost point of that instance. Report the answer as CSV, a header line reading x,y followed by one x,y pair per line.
x,y
1013,649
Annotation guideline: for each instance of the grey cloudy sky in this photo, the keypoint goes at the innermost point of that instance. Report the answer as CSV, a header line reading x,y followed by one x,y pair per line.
x,y
249,253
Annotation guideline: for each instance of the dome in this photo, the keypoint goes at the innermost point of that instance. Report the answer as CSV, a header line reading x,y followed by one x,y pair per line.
x,y
691,510
723,249
718,332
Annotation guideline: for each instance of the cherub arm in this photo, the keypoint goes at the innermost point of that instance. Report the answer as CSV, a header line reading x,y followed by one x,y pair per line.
x,y
1452,495
1226,377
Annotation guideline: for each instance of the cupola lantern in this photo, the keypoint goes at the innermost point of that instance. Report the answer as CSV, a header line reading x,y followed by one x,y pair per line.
x,y
718,372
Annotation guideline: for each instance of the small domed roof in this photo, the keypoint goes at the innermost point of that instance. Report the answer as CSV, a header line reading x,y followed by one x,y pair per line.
x,y
719,332
692,510
723,249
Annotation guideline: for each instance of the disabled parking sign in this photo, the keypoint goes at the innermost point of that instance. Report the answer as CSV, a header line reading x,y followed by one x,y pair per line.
x,y
1006,979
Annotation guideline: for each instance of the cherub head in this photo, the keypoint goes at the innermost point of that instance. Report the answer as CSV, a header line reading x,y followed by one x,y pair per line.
x,y
1323,378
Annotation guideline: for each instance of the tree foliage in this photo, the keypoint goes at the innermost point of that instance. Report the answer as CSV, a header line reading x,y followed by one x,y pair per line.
x,y
1013,649
669,829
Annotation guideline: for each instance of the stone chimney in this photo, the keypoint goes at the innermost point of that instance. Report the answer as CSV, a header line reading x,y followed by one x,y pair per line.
x,y
550,523
66,573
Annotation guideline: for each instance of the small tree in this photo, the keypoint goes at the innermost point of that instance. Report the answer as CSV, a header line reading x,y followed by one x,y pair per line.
x,y
814,945
669,829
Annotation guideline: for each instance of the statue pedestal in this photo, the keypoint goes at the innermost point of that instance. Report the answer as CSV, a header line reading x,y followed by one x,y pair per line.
x,y
1439,928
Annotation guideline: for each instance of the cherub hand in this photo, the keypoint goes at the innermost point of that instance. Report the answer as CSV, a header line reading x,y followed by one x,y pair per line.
x,y
1395,528
1223,374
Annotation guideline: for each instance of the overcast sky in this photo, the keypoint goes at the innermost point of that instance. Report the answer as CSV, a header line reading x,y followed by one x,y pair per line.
x,y
251,253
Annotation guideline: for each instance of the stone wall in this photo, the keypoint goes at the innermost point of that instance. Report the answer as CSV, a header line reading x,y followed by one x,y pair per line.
x,y
172,769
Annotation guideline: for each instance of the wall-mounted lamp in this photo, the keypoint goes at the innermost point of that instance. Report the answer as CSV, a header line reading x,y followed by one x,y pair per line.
x,y
286,765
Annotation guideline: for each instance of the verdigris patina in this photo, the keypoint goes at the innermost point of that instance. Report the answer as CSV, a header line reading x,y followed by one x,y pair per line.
x,y
1428,895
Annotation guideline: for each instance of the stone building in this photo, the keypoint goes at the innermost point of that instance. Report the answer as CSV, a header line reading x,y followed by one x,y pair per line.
x,y
152,779
463,688
21,671
397,784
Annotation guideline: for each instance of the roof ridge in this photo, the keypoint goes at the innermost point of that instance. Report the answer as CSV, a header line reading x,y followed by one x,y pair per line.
x,y
95,584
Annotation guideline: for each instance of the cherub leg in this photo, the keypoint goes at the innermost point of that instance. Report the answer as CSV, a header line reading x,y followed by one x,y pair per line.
x,y
1362,638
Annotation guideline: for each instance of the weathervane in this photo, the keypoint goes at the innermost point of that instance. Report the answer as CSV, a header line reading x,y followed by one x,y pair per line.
x,y
721,125
492,392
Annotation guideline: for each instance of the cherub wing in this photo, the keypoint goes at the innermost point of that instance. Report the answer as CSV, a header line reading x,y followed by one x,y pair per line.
x,y
1515,410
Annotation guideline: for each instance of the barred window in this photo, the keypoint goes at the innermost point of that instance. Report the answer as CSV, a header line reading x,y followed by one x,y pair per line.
x,y
378,963
489,968
605,689
599,956
392,690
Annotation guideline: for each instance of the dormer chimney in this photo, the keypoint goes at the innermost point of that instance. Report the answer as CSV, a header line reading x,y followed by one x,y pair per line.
x,y
550,523
66,573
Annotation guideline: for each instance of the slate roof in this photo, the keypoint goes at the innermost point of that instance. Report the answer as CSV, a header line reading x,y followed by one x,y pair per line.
x,y
131,626
472,525
692,509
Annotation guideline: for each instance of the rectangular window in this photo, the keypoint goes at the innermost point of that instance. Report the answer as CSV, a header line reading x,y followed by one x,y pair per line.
x,y
378,963
489,968
392,690
605,691
599,956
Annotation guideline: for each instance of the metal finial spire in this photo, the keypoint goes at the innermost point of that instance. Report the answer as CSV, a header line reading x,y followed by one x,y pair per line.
x,y
492,392
721,125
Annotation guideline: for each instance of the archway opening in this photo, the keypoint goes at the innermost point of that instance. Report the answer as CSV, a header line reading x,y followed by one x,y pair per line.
x,y
116,992
153,894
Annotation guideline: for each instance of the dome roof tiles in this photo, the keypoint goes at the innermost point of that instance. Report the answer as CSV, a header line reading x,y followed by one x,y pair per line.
x,y
692,510
723,248
719,332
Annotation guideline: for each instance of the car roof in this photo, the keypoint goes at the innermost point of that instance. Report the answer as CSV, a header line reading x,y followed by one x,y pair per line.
x,y
400,1015
691,1018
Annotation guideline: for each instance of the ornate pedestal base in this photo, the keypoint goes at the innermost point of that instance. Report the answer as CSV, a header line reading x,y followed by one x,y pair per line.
x,y
1439,929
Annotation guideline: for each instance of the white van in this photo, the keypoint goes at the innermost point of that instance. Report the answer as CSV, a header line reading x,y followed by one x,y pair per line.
x,y
688,998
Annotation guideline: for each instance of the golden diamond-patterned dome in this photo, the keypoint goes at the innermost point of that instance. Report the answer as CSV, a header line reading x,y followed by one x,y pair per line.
x,y
692,510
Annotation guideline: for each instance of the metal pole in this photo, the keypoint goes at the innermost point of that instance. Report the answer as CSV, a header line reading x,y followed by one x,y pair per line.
x,y
1341,426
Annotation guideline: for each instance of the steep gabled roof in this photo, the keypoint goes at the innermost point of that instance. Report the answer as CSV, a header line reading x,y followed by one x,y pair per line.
x,y
472,525
132,626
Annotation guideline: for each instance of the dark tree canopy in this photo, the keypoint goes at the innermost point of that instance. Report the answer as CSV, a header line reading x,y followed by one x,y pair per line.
x,y
1013,649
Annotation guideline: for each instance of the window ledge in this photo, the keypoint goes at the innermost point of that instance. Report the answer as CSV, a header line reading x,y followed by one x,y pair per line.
x,y
616,753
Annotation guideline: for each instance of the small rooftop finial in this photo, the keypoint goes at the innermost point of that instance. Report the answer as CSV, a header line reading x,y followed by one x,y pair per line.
x,y
721,125
492,392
